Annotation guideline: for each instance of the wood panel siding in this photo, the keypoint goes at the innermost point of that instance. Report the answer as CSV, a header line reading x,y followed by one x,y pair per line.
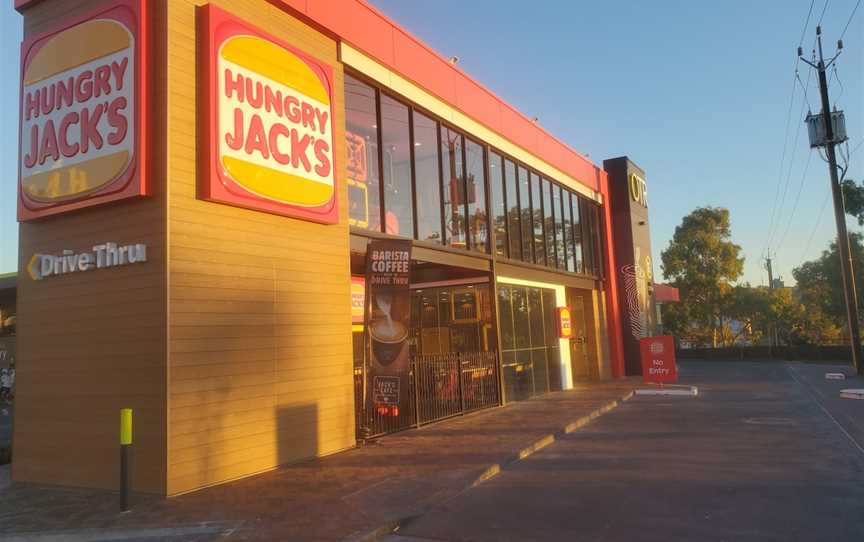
x,y
259,314
90,344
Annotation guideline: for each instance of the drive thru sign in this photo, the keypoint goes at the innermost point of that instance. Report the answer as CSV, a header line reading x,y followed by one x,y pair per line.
x,y
658,359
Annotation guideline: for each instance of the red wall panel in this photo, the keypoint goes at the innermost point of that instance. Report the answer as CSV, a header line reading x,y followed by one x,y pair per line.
x,y
357,23
423,67
484,107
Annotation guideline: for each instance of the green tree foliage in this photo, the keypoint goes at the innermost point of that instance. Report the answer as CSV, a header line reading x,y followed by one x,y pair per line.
x,y
820,284
853,199
702,262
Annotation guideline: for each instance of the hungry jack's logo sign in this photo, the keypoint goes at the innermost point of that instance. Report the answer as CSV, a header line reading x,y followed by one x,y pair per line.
x,y
81,140
269,123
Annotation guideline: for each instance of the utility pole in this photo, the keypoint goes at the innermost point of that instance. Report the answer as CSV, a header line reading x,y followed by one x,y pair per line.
x,y
770,288
829,142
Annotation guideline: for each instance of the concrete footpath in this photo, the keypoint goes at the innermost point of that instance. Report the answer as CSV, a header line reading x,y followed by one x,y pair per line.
x,y
355,495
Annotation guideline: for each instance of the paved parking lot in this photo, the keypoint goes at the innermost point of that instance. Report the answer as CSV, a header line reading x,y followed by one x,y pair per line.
x,y
765,452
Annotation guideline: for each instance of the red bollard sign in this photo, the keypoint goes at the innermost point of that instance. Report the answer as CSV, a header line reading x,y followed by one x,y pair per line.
x,y
658,359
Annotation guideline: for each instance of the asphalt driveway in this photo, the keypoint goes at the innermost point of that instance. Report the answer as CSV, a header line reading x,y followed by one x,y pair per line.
x,y
765,452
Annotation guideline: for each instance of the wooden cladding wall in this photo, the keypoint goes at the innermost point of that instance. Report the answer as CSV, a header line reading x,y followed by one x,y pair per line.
x,y
92,343
259,315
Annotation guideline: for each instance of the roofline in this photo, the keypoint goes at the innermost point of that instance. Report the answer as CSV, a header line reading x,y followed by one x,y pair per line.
x,y
462,73
354,21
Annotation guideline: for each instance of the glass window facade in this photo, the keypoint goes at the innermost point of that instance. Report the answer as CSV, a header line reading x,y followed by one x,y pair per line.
x,y
412,176
549,223
591,238
537,220
577,233
452,319
453,164
568,231
525,216
478,221
396,154
427,178
499,209
361,124
512,199
529,354
557,203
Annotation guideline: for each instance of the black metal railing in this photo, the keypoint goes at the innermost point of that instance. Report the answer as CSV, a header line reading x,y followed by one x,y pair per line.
x,y
480,387
454,383
441,386
436,379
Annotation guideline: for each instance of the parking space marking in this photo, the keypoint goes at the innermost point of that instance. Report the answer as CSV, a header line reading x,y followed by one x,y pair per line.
x,y
830,416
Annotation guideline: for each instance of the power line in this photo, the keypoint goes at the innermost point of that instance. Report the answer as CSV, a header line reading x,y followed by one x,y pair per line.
x,y
782,163
815,226
774,229
807,22
795,205
804,88
845,28
822,15
795,79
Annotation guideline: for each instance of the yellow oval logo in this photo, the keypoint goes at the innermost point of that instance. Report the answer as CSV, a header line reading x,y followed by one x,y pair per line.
x,y
275,131
77,112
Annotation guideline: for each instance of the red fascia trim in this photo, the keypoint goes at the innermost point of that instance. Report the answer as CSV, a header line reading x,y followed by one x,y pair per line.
x,y
363,26
613,312
21,5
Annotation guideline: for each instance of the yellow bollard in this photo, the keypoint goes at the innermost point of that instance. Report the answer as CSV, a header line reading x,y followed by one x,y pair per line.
x,y
125,445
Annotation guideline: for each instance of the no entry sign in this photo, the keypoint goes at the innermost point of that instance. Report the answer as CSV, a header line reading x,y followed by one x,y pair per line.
x,y
658,359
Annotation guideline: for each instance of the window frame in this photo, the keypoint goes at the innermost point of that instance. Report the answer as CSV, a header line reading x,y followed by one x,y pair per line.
x,y
584,203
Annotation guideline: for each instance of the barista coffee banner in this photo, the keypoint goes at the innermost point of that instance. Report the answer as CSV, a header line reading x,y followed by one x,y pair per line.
x,y
388,269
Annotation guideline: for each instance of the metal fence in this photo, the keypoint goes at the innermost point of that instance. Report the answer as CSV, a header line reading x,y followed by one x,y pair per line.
x,y
455,383
441,386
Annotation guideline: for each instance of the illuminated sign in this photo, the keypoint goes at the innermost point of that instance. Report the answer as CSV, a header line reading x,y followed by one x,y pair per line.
x,y
42,266
82,109
638,189
358,297
565,323
269,123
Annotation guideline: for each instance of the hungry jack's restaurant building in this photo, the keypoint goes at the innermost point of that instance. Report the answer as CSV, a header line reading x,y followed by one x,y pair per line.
x,y
273,228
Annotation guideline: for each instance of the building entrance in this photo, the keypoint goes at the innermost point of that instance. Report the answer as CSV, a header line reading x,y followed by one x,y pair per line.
x,y
529,341
453,364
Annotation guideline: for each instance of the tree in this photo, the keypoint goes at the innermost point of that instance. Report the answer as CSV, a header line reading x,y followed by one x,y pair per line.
x,y
853,200
820,285
702,262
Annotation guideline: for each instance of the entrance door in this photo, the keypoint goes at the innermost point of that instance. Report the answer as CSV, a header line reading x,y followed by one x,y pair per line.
x,y
579,342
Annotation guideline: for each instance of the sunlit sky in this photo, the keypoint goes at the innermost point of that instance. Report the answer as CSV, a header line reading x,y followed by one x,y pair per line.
x,y
696,93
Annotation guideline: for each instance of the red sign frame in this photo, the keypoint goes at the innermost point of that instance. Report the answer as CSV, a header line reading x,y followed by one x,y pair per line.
x,y
215,28
658,359
133,180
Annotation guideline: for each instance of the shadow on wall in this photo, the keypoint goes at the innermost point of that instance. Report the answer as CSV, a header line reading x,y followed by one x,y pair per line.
x,y
296,433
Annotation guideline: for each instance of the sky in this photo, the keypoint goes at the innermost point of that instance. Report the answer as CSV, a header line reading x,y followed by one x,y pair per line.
x,y
696,93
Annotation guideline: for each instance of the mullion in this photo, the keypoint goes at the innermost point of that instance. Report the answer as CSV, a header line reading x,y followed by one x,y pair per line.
x,y
381,203
503,181
554,228
413,171
441,187
468,242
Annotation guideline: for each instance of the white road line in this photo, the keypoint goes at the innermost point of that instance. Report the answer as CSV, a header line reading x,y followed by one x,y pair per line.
x,y
825,410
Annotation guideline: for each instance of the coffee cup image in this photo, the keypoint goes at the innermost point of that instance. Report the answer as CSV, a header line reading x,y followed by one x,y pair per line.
x,y
388,339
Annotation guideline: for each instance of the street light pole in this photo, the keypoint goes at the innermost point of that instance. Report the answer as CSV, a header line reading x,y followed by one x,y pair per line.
x,y
849,292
